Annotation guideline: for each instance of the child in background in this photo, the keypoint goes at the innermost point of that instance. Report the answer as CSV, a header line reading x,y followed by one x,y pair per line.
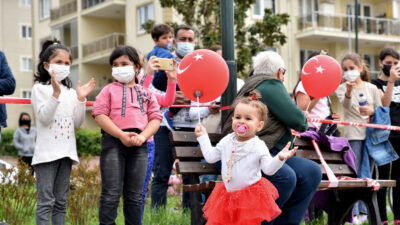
x,y
58,109
162,37
164,100
128,115
356,76
244,197
24,139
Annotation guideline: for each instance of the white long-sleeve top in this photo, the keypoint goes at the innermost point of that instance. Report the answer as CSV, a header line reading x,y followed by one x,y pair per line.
x,y
250,158
56,120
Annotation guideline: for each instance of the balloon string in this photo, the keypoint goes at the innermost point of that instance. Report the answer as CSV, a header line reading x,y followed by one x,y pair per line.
x,y
198,108
308,106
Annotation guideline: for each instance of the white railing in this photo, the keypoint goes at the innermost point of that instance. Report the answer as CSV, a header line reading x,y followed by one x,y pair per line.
x,y
107,42
64,9
340,22
90,3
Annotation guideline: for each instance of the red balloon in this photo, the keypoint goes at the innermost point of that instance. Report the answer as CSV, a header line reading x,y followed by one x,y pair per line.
x,y
321,76
203,71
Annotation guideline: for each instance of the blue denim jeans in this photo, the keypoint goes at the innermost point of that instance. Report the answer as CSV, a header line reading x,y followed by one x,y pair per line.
x,y
296,181
357,146
163,161
123,171
150,159
52,182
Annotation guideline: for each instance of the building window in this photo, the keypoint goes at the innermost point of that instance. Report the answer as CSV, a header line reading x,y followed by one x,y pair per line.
x,y
372,62
26,3
26,32
260,5
146,13
26,94
44,9
304,55
26,64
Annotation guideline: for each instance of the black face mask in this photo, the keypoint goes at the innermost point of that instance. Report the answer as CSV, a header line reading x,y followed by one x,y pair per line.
x,y
25,122
386,69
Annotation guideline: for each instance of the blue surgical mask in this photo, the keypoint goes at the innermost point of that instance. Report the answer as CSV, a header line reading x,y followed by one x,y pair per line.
x,y
184,48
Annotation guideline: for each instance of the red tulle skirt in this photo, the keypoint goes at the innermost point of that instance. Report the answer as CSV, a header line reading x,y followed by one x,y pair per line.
x,y
249,206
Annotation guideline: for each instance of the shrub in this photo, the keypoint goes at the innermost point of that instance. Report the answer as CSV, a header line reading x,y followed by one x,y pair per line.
x,y
6,147
17,195
87,142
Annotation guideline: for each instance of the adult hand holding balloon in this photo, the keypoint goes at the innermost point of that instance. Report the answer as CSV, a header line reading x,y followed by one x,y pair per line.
x,y
321,76
204,74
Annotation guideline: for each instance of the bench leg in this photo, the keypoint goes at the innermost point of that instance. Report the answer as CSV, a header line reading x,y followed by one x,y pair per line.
x,y
340,204
196,206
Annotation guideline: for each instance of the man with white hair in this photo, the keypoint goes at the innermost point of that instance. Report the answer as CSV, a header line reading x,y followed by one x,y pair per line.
x,y
299,178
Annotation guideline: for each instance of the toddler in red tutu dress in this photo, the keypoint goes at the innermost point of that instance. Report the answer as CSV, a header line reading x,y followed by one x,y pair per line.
x,y
244,198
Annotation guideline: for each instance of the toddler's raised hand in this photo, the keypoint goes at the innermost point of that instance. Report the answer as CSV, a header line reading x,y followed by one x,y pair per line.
x,y
200,130
286,153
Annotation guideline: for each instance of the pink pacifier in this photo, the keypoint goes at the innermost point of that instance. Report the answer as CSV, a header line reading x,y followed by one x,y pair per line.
x,y
241,129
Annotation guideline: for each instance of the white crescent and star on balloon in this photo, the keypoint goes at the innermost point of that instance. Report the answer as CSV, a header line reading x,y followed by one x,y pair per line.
x,y
197,57
319,69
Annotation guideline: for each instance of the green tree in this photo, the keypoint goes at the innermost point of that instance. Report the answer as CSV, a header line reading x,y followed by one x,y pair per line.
x,y
205,17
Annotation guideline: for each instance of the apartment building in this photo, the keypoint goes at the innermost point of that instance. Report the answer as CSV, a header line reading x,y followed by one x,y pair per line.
x,y
92,28
16,43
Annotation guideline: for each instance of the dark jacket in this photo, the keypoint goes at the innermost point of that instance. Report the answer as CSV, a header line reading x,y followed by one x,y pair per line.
x,y
283,114
7,86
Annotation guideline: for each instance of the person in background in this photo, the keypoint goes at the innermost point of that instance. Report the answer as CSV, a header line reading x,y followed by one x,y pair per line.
x,y
356,76
24,139
388,85
316,108
184,43
7,87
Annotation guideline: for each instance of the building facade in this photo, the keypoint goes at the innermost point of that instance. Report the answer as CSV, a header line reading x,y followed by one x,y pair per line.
x,y
92,28
16,43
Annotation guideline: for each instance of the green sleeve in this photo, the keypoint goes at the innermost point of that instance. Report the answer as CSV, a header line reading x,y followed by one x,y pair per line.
x,y
279,103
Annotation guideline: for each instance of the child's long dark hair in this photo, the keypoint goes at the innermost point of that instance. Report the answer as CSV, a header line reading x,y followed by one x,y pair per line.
x,y
49,51
129,51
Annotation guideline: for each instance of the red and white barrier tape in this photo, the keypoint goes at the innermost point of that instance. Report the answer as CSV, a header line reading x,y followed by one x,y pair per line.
x,y
355,124
333,181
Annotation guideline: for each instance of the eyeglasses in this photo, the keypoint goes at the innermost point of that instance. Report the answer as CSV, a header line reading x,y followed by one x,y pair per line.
x,y
283,71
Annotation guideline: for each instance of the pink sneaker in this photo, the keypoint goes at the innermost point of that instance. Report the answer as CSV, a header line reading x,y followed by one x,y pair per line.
x,y
384,222
396,222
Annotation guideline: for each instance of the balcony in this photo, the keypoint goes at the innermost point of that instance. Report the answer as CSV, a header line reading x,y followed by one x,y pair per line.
x,y
65,9
98,51
335,27
114,9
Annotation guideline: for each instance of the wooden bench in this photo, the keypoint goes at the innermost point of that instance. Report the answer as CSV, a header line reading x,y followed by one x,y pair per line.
x,y
340,199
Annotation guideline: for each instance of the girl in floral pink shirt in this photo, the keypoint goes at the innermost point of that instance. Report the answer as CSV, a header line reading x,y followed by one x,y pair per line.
x,y
128,115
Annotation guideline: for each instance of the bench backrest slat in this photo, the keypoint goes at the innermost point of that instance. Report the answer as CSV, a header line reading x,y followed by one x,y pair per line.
x,y
187,153
189,138
196,168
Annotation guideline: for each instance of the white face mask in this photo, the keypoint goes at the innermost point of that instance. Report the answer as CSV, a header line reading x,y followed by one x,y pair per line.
x,y
184,48
351,75
123,74
61,71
